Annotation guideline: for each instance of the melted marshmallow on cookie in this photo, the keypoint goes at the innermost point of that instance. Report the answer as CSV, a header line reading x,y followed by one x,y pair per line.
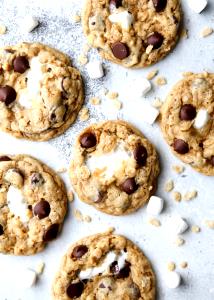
x,y
16,203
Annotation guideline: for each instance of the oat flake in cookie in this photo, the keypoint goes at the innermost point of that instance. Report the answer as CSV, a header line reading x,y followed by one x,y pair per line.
x,y
114,167
33,205
187,121
104,267
133,33
40,93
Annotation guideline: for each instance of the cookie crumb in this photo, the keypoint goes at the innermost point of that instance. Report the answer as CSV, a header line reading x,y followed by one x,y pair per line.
x,y
78,215
62,170
184,33
179,242
157,103
95,101
195,229
84,114
86,49
155,222
161,81
171,266
169,186
82,59
87,219
70,196
177,196
40,267
112,95
117,104
190,195
76,18
183,264
152,74
209,224
178,169
3,29
206,32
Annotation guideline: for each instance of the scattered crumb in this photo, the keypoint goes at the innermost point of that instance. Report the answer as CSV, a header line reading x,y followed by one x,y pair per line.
x,y
177,196
82,59
190,195
152,74
70,196
40,267
209,224
95,101
184,33
179,242
206,32
178,169
171,266
3,29
169,186
87,219
161,81
84,114
104,91
112,95
111,229
149,49
78,215
76,18
157,103
62,170
184,265
195,229
86,48
117,104
155,222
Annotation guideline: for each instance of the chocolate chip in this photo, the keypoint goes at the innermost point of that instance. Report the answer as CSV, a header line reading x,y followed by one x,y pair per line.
x,y
42,209
116,3
7,94
155,39
102,286
21,64
36,179
140,155
75,290
181,146
79,251
1,230
159,5
114,268
187,112
212,160
124,272
120,50
5,158
129,186
51,233
88,140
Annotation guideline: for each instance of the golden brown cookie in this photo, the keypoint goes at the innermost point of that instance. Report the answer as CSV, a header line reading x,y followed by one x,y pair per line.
x,y
114,167
40,93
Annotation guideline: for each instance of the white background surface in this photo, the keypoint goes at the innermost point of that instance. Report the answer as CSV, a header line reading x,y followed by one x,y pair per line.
x,y
194,54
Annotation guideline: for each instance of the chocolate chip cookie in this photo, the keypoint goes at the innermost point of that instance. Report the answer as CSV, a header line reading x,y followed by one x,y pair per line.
x,y
133,33
40,93
33,204
188,121
114,167
104,266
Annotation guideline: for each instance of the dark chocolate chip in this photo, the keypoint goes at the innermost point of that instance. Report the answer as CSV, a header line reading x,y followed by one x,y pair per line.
x,y
120,50
102,286
88,140
5,158
129,186
79,251
21,64
181,146
212,160
42,209
75,290
124,272
36,179
187,112
155,39
116,3
1,230
7,94
159,5
29,207
140,155
51,233
114,268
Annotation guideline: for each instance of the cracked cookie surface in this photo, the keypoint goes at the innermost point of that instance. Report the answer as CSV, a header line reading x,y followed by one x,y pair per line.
x,y
114,167
104,267
33,204
40,93
133,33
187,121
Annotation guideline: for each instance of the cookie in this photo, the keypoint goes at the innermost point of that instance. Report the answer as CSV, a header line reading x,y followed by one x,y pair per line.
x,y
187,121
104,266
40,93
133,33
114,167
33,204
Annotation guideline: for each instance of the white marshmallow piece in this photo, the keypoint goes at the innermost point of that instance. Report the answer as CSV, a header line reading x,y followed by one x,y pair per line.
x,y
173,280
145,86
155,205
95,69
178,225
16,203
197,5
201,119
27,278
124,19
149,113
29,24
